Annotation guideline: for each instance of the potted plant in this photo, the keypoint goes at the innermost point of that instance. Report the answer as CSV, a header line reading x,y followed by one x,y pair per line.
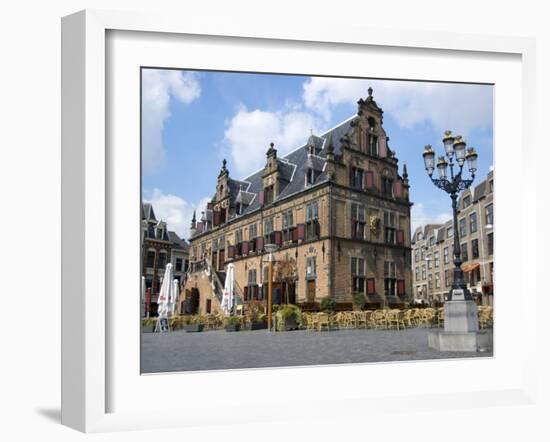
x,y
148,325
359,300
328,305
191,324
288,317
255,316
233,323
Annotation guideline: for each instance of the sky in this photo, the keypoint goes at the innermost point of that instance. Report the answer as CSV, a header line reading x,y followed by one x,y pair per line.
x,y
192,120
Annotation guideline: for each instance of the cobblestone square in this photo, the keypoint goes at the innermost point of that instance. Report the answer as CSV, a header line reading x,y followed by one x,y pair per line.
x,y
220,350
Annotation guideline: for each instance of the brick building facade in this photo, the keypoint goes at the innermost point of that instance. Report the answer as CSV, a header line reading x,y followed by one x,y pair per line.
x,y
337,209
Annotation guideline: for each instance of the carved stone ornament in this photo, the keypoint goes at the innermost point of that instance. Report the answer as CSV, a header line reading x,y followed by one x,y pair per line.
x,y
374,225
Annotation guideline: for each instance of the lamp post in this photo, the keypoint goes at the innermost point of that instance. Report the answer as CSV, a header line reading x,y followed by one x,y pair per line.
x,y
270,248
453,184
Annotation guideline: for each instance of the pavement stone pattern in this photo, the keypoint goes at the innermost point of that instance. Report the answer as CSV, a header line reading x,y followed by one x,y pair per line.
x,y
219,350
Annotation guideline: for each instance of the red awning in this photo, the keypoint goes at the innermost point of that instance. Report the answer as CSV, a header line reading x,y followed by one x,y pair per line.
x,y
471,267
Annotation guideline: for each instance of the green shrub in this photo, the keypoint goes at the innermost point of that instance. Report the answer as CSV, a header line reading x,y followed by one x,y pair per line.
x,y
328,304
358,299
288,312
233,320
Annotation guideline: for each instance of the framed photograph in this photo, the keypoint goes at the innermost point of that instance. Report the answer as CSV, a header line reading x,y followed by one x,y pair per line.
x,y
250,208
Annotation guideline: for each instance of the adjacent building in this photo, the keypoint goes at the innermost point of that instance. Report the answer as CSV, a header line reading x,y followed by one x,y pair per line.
x,y
432,249
337,209
160,246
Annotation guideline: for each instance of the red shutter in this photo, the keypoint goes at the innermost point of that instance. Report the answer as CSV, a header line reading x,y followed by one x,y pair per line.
x,y
400,237
222,215
370,286
209,206
401,287
244,248
216,217
261,198
294,234
260,243
301,231
369,179
397,188
278,238
199,227
231,252
382,151
245,294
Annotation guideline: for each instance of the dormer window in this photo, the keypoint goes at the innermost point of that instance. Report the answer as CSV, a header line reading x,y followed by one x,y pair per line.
x,y
310,177
269,194
373,144
238,208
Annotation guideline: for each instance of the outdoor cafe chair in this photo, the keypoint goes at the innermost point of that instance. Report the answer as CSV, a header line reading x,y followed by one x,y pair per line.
x,y
323,321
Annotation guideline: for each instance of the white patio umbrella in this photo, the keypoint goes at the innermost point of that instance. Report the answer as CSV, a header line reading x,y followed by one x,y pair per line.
x,y
164,294
228,297
174,297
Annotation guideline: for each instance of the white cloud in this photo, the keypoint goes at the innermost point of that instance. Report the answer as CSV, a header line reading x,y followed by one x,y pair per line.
x,y
458,107
420,217
249,133
158,87
176,211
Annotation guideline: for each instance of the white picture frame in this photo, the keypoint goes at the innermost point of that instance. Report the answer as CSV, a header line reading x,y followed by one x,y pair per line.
x,y
87,355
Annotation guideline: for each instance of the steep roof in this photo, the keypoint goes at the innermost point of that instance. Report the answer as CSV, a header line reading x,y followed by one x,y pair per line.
x,y
147,212
293,168
176,241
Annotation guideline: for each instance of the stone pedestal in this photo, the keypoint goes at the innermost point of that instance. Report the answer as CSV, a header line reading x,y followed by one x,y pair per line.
x,y
461,330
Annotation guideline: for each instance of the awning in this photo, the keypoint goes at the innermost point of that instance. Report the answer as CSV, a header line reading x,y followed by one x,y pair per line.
x,y
471,267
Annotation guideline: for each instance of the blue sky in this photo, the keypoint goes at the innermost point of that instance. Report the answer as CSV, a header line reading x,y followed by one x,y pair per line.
x,y
192,120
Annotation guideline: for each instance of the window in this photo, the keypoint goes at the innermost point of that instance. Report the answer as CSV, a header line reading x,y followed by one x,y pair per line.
x,y
390,281
358,275
251,291
268,229
357,178
423,254
429,262
419,236
436,258
179,264
449,232
430,281
373,144
417,273
447,278
159,233
311,268
473,222
310,176
390,223
416,255
446,255
464,251
432,240
238,236
387,186
288,225
466,201
475,248
162,260
269,194
490,244
252,231
489,214
491,186
312,223
437,281
358,221
424,272
462,227
151,258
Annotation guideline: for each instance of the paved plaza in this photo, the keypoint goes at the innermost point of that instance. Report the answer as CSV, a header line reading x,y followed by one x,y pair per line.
x,y
217,350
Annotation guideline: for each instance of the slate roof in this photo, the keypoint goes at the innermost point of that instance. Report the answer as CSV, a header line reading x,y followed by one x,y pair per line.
x,y
147,212
293,168
176,241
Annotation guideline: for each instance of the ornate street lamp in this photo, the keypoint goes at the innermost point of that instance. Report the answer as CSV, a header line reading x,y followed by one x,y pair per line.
x,y
270,248
453,184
